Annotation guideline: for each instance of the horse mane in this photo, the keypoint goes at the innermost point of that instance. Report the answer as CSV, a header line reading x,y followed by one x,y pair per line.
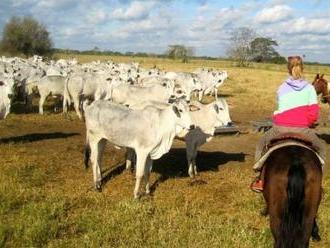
x,y
292,226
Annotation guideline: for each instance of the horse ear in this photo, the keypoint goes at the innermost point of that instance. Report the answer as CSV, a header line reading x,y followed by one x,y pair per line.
x,y
317,76
322,76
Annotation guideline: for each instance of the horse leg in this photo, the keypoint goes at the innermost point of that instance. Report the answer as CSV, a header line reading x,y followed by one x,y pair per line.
x,y
275,196
313,195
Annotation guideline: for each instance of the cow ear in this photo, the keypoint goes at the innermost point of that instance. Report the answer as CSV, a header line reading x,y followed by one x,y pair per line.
x,y
193,108
171,100
216,108
176,111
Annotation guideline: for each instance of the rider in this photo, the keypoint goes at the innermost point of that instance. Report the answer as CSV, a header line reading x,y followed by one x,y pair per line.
x,y
297,112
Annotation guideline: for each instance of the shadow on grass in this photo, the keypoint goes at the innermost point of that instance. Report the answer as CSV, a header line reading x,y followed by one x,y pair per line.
x,y
174,164
36,137
19,107
108,174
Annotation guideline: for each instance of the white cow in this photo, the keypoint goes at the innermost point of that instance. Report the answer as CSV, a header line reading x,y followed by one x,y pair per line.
x,y
205,118
6,93
211,81
149,132
50,85
131,95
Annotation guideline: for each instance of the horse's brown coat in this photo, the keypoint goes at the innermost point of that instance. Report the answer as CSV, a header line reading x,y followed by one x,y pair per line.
x,y
321,87
276,192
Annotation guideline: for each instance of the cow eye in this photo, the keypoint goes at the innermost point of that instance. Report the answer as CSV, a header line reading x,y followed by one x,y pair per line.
x,y
221,108
180,110
179,92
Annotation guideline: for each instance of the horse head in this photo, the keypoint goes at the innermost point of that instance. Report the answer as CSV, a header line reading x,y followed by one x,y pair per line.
x,y
321,87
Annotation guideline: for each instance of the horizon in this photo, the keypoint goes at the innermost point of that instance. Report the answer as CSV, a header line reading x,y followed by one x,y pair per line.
x,y
151,26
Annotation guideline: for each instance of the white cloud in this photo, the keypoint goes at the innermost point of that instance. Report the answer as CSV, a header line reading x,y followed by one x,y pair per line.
x,y
137,10
56,4
274,14
151,25
97,16
313,26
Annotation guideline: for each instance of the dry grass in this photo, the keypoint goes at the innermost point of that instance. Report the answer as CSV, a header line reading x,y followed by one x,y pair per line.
x,y
47,198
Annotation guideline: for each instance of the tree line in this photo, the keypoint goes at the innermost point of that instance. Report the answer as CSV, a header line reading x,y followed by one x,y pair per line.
x,y
25,35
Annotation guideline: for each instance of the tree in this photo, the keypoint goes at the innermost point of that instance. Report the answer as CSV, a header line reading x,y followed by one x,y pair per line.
x,y
239,48
26,35
180,52
262,49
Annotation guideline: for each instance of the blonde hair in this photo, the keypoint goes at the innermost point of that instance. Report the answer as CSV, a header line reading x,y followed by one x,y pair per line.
x,y
295,67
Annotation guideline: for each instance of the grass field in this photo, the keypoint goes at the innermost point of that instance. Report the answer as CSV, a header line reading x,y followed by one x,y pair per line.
x,y
47,197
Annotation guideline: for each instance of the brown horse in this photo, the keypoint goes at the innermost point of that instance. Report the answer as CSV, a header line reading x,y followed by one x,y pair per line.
x,y
292,192
321,87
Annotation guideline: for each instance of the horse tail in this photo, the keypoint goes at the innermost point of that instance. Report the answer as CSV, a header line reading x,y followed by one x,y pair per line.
x,y
87,152
292,226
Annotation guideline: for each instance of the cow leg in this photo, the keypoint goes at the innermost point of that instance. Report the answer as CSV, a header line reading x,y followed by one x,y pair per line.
x,y
200,95
147,172
41,103
76,105
129,158
65,104
141,157
216,93
97,148
191,170
191,150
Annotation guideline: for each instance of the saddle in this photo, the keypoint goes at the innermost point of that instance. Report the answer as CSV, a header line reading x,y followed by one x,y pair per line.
x,y
283,140
287,137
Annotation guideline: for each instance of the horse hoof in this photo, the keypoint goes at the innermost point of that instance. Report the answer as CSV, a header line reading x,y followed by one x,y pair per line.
x,y
264,212
316,238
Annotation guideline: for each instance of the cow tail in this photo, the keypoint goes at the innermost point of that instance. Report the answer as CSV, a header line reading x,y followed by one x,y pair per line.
x,y
87,152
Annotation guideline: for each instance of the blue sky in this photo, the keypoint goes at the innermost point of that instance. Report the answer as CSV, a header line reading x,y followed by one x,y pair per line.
x,y
300,27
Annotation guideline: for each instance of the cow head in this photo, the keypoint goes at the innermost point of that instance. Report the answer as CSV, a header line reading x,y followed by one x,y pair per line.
x,y
183,119
222,112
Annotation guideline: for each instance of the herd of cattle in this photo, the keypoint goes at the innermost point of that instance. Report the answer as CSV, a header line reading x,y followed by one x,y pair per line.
x,y
140,109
